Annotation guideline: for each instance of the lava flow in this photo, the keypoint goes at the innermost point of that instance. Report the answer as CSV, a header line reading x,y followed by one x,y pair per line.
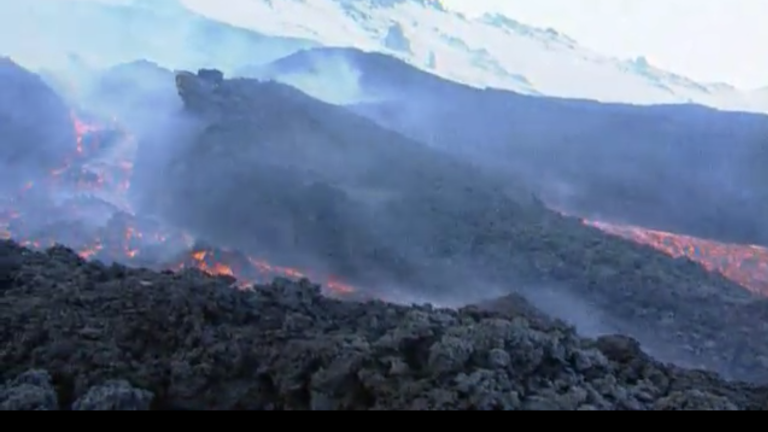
x,y
746,265
92,184
83,205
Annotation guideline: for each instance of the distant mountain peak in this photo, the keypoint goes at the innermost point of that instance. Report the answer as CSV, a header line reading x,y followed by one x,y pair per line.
x,y
505,22
391,3
642,62
493,50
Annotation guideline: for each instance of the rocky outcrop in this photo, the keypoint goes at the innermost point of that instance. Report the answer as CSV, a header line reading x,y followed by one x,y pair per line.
x,y
396,40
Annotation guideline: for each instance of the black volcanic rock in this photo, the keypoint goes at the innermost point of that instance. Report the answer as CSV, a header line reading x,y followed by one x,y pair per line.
x,y
272,171
277,172
309,168
123,339
681,168
36,127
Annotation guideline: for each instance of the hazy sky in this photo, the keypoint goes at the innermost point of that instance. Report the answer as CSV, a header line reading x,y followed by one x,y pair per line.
x,y
707,40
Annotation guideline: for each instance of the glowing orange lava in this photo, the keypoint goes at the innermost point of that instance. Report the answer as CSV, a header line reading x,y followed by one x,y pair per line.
x,y
124,242
746,265
112,179
81,130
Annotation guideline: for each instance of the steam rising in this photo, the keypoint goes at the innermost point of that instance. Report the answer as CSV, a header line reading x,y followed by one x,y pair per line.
x,y
100,34
116,154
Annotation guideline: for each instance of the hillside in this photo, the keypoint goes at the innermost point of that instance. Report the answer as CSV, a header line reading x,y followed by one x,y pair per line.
x,y
176,194
25,105
682,168
333,190
258,175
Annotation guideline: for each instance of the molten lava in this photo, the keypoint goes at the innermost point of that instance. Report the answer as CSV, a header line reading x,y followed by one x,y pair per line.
x,y
101,179
746,265
101,184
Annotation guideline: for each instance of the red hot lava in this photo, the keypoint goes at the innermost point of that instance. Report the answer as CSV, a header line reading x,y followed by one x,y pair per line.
x,y
746,265
101,183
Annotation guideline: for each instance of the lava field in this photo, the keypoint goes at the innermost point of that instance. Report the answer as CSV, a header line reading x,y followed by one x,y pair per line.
x,y
135,339
100,186
92,187
165,309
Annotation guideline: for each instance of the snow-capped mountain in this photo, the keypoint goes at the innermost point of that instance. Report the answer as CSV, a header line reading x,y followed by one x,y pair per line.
x,y
489,51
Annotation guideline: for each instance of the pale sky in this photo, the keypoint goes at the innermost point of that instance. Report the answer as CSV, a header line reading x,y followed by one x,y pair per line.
x,y
706,40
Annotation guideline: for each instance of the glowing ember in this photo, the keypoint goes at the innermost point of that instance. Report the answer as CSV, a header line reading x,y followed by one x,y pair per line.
x,y
121,239
81,130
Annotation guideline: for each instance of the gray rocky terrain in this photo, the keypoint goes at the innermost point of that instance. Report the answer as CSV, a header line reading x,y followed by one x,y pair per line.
x,y
267,170
85,336
446,227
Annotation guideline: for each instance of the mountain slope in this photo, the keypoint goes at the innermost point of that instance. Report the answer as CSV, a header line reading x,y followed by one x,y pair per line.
x,y
490,51
325,188
35,126
390,214
682,168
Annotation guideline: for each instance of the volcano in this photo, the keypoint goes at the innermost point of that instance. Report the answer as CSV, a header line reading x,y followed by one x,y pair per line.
x,y
268,181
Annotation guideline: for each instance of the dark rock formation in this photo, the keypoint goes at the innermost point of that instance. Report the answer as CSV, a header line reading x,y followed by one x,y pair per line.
x,y
31,390
396,39
115,395
98,337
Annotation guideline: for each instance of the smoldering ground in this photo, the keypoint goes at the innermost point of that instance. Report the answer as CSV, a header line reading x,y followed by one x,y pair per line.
x,y
423,226
433,225
265,168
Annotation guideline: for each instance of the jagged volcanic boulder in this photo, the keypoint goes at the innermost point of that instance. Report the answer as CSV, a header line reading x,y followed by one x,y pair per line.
x,y
134,339
36,128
